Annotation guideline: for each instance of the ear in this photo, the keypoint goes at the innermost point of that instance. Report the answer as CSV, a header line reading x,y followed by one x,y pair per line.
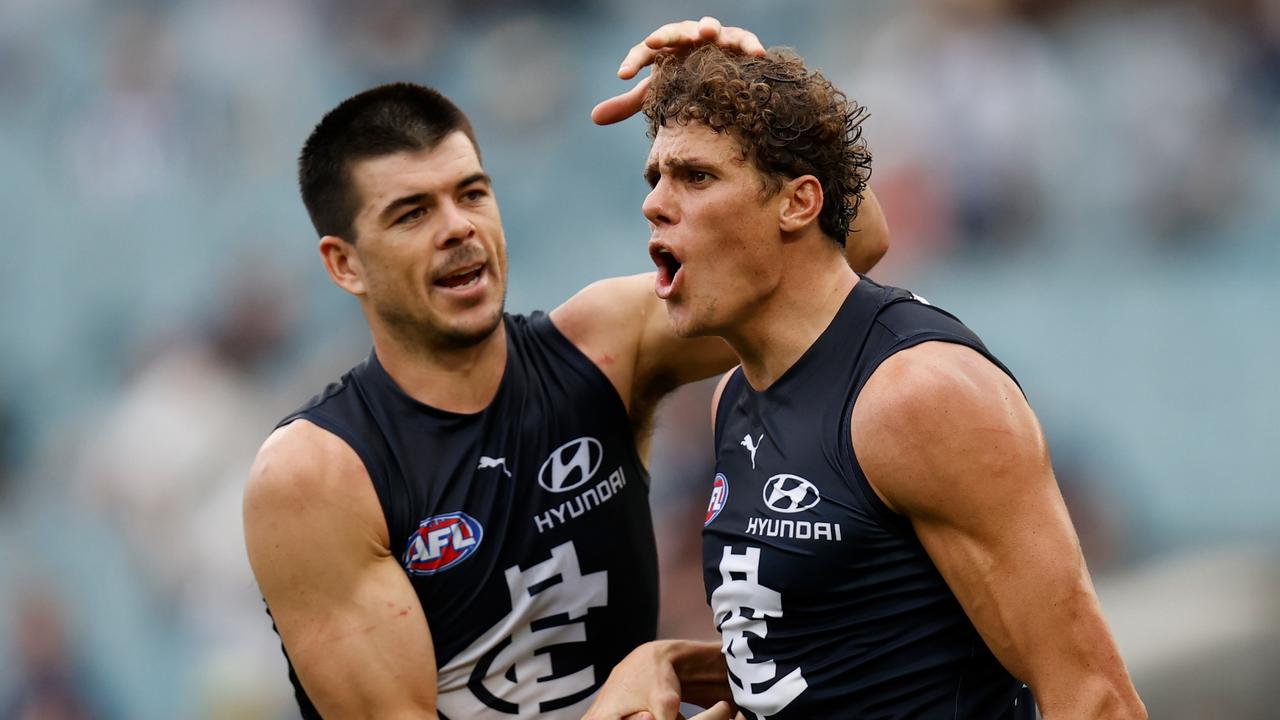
x,y
801,200
342,262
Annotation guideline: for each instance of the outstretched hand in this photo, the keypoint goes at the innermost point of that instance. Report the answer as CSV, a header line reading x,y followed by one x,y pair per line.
x,y
665,39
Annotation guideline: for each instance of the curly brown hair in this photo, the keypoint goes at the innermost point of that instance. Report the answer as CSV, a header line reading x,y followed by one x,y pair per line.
x,y
788,120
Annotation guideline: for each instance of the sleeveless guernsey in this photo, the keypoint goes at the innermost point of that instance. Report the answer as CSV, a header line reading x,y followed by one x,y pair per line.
x,y
827,604
524,528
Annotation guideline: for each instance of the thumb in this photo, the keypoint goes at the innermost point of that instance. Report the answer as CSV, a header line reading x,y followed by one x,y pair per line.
x,y
621,107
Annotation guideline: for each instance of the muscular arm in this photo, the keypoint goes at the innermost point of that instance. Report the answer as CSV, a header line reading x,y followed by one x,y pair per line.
x,y
947,439
318,544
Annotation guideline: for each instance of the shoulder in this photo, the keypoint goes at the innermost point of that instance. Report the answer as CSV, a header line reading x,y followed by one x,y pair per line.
x,y
932,377
607,308
913,314
304,473
934,412
607,322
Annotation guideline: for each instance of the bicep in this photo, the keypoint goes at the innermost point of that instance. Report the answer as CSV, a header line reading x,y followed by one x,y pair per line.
x,y
1007,549
622,326
949,441
346,612
1013,561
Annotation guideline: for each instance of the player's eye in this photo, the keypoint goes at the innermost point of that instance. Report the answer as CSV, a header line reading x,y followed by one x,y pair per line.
x,y
697,177
412,215
475,195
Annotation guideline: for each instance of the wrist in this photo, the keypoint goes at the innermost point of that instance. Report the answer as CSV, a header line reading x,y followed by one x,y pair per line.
x,y
693,661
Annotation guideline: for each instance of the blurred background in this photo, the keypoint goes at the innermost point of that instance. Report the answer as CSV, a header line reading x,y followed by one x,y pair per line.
x,y
1094,187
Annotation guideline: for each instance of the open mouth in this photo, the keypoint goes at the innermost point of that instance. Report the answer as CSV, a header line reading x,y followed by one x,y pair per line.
x,y
668,269
462,278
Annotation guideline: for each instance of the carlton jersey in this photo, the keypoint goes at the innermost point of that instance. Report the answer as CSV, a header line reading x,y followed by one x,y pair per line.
x,y
827,604
524,528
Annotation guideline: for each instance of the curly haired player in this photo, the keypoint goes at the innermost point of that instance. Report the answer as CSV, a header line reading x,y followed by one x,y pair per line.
x,y
885,537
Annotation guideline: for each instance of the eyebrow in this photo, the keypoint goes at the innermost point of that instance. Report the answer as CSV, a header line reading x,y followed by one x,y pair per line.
x,y
400,203
676,166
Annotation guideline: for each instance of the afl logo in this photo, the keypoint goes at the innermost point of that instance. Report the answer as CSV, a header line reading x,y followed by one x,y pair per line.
x,y
440,542
571,465
790,493
719,496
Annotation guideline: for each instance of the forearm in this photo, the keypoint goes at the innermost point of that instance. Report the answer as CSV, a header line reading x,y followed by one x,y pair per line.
x,y
1089,680
1045,625
1099,700
1054,638
868,238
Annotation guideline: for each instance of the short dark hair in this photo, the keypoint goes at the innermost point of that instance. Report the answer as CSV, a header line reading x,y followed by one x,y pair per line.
x,y
787,119
384,120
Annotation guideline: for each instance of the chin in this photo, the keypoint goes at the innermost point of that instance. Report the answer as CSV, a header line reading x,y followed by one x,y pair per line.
x,y
686,326
473,331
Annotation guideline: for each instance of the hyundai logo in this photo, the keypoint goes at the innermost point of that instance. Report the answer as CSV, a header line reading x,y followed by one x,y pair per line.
x,y
571,465
790,493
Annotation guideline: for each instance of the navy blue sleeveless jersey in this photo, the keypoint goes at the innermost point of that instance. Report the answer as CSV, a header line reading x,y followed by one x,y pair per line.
x,y
524,528
827,604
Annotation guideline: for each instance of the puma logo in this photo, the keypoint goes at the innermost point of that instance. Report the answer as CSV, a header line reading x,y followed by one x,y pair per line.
x,y
751,446
488,462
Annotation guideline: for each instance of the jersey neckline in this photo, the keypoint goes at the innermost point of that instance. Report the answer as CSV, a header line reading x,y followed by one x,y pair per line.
x,y
382,376
840,323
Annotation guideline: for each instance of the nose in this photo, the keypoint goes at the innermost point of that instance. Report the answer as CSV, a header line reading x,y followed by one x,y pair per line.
x,y
457,226
658,205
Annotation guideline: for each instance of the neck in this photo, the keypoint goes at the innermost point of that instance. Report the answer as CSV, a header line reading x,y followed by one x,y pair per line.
x,y
460,380
787,322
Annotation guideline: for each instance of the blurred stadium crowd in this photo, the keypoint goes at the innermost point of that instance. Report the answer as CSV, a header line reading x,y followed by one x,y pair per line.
x,y
1092,186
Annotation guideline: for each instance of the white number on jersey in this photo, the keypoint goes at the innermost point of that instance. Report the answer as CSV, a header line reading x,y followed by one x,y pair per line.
x,y
741,607
513,660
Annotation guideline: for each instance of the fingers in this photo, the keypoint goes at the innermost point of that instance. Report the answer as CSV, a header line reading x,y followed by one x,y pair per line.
x,y
668,36
621,107
642,715
680,34
719,711
709,29
743,41
683,33
637,57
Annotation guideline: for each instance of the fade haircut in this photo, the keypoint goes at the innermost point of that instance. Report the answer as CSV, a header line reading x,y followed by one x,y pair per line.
x,y
787,120
399,117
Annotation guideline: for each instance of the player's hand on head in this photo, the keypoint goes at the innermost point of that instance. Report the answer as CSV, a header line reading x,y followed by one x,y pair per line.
x,y
671,36
674,36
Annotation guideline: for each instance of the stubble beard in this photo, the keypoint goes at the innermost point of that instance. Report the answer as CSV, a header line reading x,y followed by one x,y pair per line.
x,y
695,322
428,335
